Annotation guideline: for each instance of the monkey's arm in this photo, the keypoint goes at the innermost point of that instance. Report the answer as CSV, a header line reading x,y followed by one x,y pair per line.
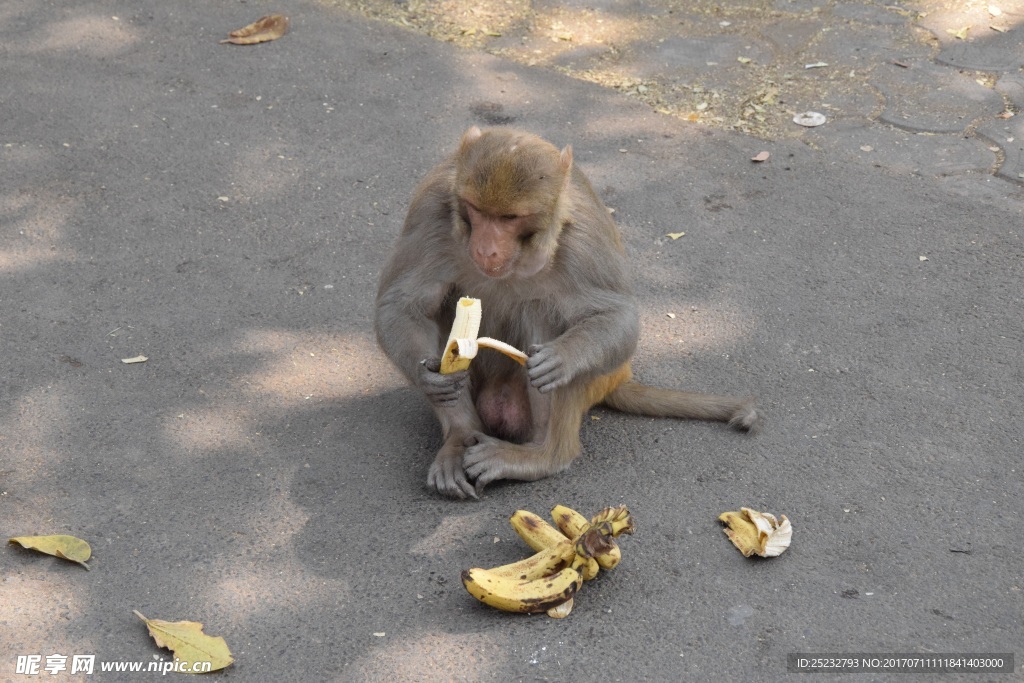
x,y
600,339
416,282
594,295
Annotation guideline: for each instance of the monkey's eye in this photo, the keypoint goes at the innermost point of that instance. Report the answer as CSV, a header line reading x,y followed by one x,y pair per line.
x,y
526,236
509,217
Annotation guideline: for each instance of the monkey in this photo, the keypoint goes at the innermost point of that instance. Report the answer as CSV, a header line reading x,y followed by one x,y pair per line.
x,y
508,218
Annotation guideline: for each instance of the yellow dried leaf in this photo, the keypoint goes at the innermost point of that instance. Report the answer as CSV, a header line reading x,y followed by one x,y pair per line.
x,y
744,60
960,34
194,651
675,235
270,27
66,547
134,359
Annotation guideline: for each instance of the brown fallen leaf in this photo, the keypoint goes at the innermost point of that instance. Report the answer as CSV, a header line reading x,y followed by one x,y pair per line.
x,y
194,651
270,27
761,156
66,547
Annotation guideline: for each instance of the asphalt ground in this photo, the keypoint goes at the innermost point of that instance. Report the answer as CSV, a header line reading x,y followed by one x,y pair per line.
x,y
225,212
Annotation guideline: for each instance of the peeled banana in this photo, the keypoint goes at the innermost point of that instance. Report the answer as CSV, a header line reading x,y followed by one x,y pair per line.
x,y
463,343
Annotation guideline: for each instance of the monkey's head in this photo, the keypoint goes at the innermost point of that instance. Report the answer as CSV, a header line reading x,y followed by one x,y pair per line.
x,y
510,190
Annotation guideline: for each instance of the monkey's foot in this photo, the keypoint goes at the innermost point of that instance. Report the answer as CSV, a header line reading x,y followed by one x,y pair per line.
x,y
491,459
446,475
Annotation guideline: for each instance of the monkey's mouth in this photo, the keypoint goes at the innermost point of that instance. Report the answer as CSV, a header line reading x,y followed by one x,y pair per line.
x,y
496,272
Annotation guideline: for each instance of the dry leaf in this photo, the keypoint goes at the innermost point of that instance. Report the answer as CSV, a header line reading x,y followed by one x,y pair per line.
x,y
761,156
816,65
1005,115
66,547
135,359
192,648
671,315
744,60
270,27
675,235
960,34
922,258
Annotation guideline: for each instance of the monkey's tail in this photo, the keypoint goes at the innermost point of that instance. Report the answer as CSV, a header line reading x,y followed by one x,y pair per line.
x,y
639,399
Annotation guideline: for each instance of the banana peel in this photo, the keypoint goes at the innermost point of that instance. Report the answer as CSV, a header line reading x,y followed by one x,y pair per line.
x,y
463,343
757,533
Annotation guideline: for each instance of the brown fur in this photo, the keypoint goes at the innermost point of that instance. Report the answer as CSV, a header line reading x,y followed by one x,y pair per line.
x,y
510,220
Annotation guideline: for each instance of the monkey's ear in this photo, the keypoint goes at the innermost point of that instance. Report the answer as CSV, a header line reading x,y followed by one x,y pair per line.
x,y
471,135
566,158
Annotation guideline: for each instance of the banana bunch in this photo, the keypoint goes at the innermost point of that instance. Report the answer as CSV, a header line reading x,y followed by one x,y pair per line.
x,y
566,557
463,343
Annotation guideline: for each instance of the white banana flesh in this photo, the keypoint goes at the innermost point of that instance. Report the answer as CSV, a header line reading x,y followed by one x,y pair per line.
x,y
463,343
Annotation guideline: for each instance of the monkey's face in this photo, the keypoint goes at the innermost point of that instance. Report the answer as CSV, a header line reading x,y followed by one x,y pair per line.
x,y
503,244
509,188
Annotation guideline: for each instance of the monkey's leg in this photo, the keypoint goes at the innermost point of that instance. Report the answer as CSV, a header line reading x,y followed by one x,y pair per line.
x,y
555,443
458,422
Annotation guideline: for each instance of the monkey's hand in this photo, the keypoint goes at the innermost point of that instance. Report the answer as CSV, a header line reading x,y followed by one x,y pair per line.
x,y
440,390
546,368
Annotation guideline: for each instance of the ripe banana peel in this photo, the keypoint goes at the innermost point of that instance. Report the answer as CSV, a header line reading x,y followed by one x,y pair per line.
x,y
463,343
548,580
756,532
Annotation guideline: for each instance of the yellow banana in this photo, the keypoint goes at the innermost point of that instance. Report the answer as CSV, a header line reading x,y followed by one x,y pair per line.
x,y
463,343
533,529
540,536
572,524
548,581
516,595
543,563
